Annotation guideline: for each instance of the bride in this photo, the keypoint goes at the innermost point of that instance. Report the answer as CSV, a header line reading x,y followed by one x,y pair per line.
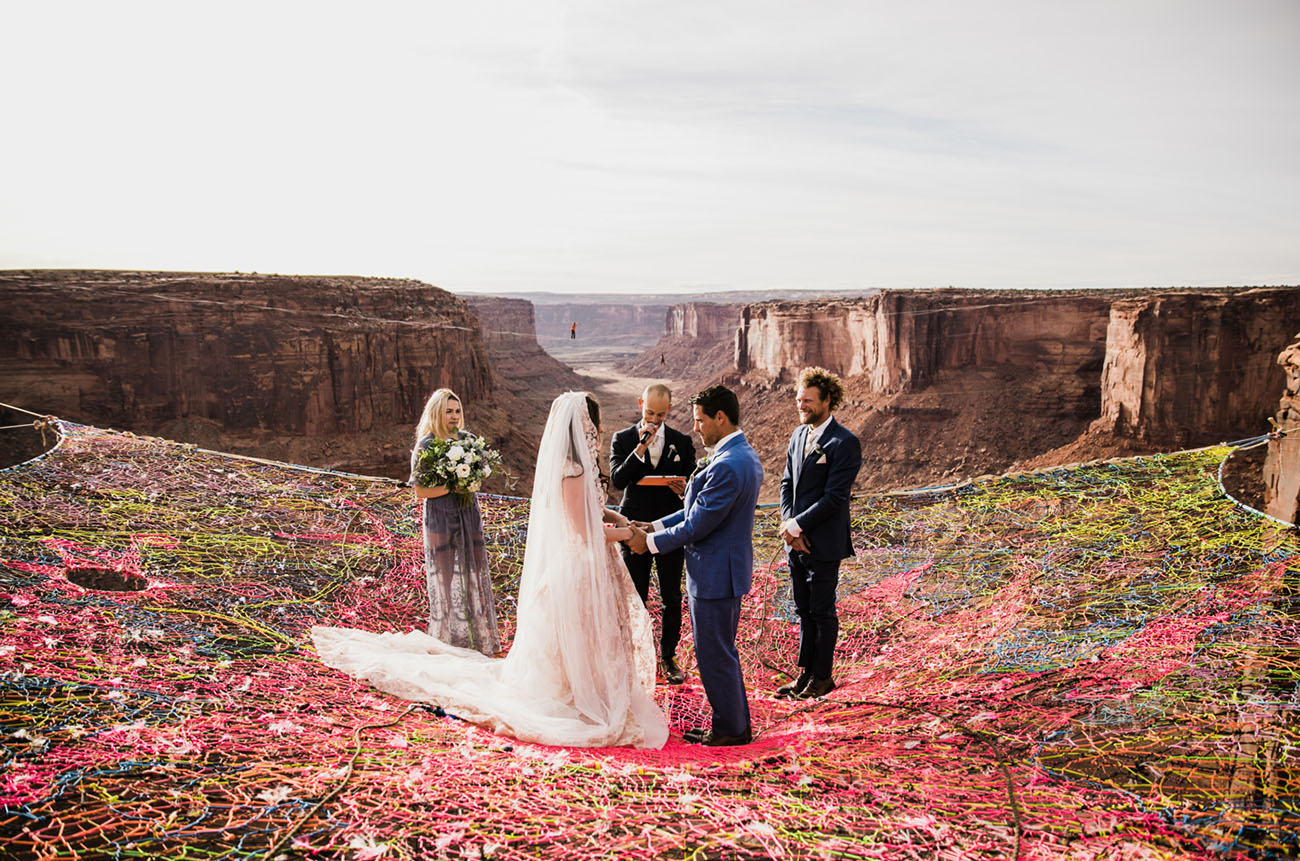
x,y
581,669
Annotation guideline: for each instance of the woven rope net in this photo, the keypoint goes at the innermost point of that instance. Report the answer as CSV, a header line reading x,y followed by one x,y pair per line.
x,y
1097,662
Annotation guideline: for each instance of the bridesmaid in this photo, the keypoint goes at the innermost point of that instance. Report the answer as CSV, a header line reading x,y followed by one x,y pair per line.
x,y
462,611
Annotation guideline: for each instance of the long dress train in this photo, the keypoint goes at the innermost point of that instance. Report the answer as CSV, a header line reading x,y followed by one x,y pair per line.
x,y
580,671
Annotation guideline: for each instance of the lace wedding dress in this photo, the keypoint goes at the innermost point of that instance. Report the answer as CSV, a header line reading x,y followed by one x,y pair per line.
x,y
581,669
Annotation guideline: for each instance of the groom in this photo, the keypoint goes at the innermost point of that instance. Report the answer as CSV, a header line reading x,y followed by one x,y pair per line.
x,y
717,530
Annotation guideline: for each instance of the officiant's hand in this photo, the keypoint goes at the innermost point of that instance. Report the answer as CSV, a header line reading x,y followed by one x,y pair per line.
x,y
648,431
637,542
677,485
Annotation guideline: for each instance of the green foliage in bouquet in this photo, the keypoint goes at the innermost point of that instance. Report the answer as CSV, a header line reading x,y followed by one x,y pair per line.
x,y
460,465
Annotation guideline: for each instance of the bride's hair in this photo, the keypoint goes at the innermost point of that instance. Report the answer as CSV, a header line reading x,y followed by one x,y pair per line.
x,y
578,441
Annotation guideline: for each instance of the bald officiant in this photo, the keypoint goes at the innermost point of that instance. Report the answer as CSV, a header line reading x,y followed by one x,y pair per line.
x,y
649,462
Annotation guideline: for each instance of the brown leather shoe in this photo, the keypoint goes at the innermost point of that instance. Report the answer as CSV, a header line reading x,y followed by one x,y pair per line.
x,y
791,690
712,739
672,673
817,688
695,735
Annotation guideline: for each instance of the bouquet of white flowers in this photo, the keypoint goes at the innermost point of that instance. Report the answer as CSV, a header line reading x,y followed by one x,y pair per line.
x,y
460,465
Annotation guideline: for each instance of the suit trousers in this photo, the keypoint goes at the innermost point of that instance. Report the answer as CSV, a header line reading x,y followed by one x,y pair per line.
x,y
669,566
812,584
714,622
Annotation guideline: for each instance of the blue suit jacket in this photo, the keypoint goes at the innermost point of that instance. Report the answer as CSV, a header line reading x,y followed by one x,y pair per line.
x,y
819,499
716,526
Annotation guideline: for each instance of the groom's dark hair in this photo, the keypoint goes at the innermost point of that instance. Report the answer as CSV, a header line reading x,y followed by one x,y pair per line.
x,y
718,399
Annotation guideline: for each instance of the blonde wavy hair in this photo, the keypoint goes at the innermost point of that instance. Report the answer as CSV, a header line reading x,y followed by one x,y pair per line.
x,y
431,422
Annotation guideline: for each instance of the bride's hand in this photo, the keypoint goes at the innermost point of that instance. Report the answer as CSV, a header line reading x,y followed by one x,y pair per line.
x,y
614,517
617,533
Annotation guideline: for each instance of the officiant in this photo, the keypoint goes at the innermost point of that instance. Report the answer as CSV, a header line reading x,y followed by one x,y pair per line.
x,y
649,462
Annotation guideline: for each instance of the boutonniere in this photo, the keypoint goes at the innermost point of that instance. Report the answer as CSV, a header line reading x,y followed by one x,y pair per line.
x,y
700,464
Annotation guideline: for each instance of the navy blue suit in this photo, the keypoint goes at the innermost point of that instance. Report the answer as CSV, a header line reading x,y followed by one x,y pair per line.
x,y
716,528
815,493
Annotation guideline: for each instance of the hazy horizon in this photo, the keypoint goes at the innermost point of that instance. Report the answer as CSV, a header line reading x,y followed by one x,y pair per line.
x,y
668,149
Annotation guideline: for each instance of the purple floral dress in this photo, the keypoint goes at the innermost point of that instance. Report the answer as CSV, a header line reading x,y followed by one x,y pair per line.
x,y
462,611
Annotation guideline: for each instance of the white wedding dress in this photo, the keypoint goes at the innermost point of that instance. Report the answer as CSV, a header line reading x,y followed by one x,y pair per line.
x,y
581,669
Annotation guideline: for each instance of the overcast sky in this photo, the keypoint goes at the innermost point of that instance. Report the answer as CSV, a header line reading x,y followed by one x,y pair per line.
x,y
612,146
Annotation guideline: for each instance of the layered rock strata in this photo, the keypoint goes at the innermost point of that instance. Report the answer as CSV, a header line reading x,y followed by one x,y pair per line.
x,y
1282,464
1195,367
898,341
708,320
313,368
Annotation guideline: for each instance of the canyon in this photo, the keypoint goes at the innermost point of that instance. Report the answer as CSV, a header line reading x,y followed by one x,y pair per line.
x,y
327,371
946,385
943,385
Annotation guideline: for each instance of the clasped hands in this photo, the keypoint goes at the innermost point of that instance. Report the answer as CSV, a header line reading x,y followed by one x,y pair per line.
x,y
637,543
798,542
630,532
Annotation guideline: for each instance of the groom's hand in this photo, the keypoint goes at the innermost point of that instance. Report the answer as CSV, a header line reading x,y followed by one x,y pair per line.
x,y
637,542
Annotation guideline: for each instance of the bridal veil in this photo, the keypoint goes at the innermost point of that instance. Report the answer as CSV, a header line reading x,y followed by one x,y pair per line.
x,y
580,671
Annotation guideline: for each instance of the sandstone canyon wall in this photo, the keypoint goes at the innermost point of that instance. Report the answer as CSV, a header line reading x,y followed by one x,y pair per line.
x,y
952,383
1195,367
329,371
1282,464
708,320
696,344
898,341
519,363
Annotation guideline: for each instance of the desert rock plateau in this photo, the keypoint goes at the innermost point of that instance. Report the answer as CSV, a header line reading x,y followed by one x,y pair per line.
x,y
943,385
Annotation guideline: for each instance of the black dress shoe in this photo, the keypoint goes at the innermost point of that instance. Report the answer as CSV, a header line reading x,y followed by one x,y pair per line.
x,y
672,672
712,739
695,735
791,689
817,688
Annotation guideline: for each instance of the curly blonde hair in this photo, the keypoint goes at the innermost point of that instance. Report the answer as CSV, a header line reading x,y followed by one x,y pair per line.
x,y
828,384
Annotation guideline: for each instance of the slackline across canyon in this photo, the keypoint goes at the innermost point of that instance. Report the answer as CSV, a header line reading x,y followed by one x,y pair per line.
x,y
1097,662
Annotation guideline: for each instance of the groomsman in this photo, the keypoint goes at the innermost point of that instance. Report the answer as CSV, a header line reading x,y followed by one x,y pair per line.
x,y
651,449
821,462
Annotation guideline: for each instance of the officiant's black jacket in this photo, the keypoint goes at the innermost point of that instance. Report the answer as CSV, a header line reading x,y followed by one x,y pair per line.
x,y
648,502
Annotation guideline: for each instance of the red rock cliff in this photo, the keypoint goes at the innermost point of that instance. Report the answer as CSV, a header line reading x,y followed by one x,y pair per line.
x,y
1282,464
709,320
1196,367
898,340
330,371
